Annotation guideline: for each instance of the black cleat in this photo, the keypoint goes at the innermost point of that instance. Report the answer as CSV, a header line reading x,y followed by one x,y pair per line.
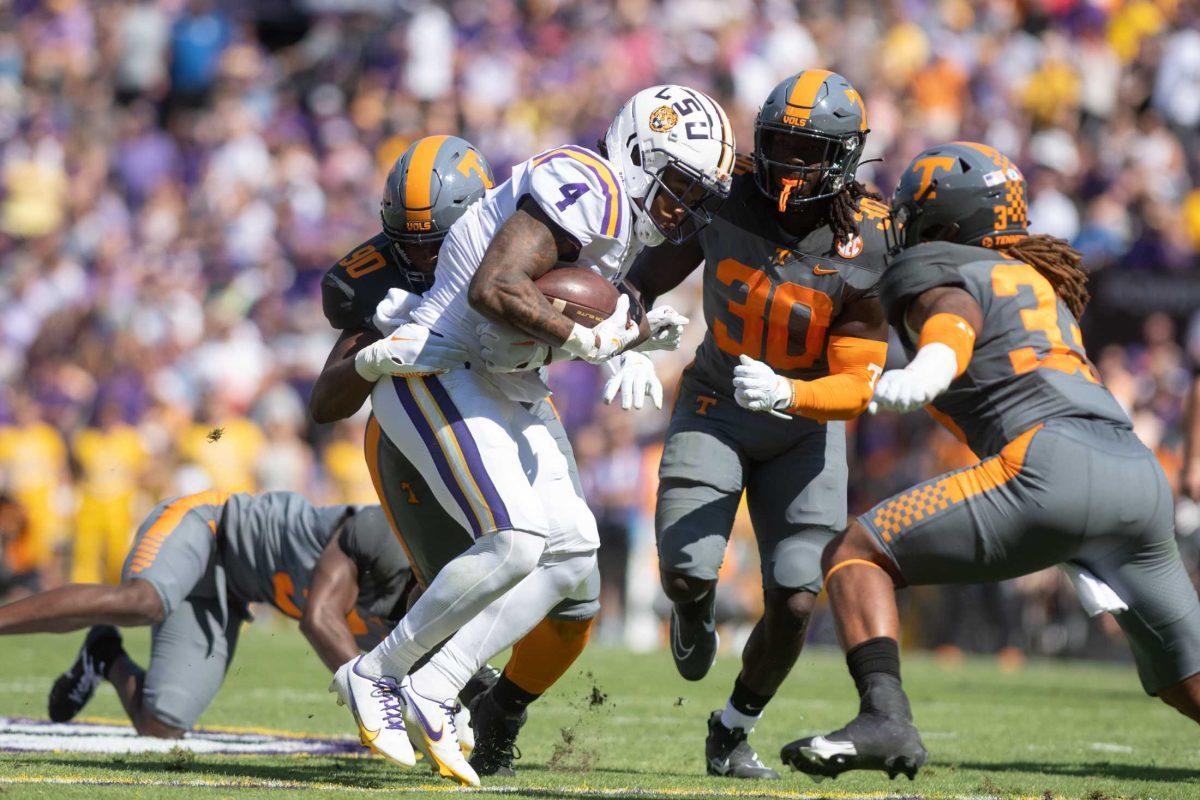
x,y
727,753
882,737
694,640
495,737
480,682
75,687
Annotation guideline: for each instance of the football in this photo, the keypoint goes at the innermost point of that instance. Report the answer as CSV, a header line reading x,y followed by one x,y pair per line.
x,y
580,294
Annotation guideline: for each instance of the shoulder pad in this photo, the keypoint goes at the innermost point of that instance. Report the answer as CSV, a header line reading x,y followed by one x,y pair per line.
x,y
918,269
352,287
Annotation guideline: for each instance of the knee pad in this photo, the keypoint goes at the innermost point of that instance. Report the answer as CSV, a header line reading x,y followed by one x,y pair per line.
x,y
519,551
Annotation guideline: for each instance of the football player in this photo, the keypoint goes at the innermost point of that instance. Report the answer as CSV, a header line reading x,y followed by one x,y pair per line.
x,y
989,317
367,293
195,565
795,329
494,464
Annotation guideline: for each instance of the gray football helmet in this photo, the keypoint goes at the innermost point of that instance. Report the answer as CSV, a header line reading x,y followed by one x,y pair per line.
x,y
817,117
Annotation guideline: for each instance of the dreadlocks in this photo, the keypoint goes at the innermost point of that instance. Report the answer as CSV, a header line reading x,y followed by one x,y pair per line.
x,y
1058,263
843,207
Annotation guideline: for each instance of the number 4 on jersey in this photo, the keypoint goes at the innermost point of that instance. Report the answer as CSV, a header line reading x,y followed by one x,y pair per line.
x,y
571,193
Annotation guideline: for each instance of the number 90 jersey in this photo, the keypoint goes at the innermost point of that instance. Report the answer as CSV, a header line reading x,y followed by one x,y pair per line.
x,y
1029,364
577,189
772,296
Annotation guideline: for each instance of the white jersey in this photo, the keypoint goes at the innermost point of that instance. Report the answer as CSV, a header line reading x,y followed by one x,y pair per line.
x,y
577,189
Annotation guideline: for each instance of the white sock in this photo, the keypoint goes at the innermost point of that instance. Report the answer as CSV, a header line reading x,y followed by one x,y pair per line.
x,y
732,718
501,624
468,584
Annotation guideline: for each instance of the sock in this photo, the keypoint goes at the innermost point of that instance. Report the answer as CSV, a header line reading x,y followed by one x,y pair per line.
x,y
468,584
745,707
105,651
506,619
880,655
543,655
510,698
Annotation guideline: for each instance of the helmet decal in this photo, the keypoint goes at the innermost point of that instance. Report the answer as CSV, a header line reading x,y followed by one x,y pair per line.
x,y
927,166
804,96
471,164
662,119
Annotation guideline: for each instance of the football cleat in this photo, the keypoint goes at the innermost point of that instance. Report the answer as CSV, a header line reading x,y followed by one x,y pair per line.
x,y
495,737
75,687
694,641
434,725
728,753
378,711
882,737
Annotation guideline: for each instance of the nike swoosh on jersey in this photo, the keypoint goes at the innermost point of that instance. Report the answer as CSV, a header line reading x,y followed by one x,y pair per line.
x,y
822,271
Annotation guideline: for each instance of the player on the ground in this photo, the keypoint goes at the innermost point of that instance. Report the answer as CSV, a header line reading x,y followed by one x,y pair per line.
x,y
494,465
989,316
794,327
195,565
430,186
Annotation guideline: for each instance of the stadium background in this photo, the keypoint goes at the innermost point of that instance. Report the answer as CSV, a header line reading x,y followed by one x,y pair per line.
x,y
177,175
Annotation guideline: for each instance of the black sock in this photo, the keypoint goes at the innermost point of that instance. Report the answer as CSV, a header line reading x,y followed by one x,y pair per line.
x,y
747,701
510,698
874,656
105,652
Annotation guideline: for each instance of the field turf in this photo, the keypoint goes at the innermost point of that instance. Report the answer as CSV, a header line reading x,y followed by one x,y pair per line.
x,y
624,725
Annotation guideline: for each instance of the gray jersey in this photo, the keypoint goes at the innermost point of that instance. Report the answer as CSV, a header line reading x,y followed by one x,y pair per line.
x,y
772,296
1029,365
273,541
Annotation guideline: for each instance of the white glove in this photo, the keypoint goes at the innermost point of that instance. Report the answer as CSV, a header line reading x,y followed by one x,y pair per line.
x,y
926,376
756,387
607,339
506,349
633,374
666,329
412,349
394,310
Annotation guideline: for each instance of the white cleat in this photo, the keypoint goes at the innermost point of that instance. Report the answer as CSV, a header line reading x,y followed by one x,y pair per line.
x,y
434,727
378,711
466,734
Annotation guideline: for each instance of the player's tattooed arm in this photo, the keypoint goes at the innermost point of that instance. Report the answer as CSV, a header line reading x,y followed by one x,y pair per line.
x,y
330,598
340,391
528,245
658,270
943,300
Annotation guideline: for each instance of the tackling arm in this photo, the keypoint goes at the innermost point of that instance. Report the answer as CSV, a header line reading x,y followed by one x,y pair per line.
x,y
658,270
340,391
331,597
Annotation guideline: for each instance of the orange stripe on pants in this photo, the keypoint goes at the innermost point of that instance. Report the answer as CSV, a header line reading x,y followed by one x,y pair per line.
x,y
151,542
915,505
371,451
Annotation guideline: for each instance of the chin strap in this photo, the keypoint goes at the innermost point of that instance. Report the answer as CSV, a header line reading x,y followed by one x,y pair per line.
x,y
788,185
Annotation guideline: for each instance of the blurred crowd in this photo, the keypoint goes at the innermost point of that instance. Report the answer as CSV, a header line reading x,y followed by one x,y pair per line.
x,y
176,175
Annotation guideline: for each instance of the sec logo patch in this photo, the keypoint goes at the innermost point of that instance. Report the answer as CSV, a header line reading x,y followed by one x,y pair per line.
x,y
851,248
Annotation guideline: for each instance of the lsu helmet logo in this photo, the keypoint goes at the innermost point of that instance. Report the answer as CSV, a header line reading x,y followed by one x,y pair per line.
x,y
663,119
851,247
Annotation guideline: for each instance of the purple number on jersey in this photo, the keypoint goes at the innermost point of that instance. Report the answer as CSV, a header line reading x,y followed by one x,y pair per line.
x,y
571,192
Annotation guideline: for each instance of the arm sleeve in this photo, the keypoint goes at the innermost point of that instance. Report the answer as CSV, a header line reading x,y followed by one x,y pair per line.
x,y
854,366
916,270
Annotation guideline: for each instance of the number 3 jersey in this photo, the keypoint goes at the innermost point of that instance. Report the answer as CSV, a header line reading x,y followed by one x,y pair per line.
x,y
577,189
1029,364
772,295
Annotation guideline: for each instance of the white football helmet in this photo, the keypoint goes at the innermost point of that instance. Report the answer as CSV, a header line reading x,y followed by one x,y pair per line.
x,y
678,141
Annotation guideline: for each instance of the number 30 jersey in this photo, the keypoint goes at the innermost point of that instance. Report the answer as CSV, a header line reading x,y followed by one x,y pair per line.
x,y
1029,364
772,296
577,189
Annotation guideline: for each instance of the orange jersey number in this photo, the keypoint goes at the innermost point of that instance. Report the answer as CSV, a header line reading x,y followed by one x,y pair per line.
x,y
363,261
1007,279
767,314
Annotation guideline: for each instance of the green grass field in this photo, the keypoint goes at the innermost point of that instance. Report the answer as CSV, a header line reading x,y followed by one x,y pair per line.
x,y
626,725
